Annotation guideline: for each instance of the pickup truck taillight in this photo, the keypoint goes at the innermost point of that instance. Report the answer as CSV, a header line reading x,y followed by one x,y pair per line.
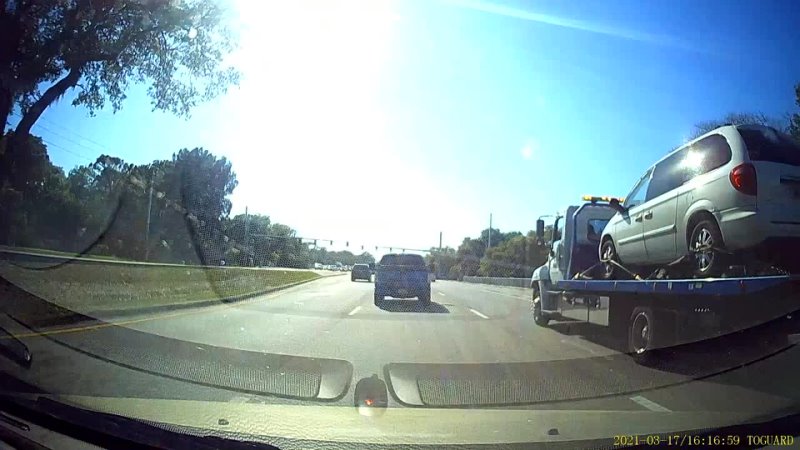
x,y
743,179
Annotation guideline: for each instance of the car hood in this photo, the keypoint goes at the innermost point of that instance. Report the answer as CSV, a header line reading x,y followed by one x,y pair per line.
x,y
425,426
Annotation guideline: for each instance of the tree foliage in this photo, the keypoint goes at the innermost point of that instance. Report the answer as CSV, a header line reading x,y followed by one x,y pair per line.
x,y
704,127
512,254
323,256
101,47
794,118
442,261
107,208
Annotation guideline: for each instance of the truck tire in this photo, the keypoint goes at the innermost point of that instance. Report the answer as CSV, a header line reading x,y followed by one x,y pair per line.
x,y
352,278
377,298
425,299
645,335
536,308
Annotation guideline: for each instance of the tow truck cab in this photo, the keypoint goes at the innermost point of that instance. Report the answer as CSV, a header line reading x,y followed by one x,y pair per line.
x,y
574,245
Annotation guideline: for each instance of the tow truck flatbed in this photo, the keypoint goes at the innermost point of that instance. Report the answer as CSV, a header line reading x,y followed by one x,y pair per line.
x,y
719,287
648,314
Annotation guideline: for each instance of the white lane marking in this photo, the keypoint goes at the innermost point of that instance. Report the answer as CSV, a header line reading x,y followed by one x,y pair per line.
x,y
506,294
441,293
355,310
478,313
649,404
239,399
577,344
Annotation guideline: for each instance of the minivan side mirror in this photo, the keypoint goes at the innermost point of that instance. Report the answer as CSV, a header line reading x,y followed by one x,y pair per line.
x,y
614,203
540,229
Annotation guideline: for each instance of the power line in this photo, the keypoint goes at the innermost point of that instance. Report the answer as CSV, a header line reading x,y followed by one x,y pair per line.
x,y
79,144
38,124
99,145
51,144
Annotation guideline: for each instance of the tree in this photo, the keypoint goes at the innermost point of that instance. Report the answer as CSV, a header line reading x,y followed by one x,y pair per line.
x,y
100,47
701,128
441,261
468,255
195,187
323,256
794,118
515,257
498,237
37,207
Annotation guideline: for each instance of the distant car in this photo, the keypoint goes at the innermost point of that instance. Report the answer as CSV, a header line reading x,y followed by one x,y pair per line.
x,y
360,272
402,276
730,195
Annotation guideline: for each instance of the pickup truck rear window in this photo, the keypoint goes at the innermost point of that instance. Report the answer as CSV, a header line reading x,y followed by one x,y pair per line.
x,y
402,260
765,145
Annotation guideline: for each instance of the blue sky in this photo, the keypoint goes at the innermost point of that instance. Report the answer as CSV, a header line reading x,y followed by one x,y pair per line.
x,y
381,122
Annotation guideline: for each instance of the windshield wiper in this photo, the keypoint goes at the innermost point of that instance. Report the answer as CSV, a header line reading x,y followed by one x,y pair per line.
x,y
14,349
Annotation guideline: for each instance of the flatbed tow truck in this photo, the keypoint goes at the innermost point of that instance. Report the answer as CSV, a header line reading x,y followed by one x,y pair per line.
x,y
651,313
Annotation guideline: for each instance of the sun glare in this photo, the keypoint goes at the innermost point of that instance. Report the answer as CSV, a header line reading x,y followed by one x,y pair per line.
x,y
310,102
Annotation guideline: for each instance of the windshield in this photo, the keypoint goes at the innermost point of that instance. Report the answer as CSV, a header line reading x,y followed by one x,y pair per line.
x,y
178,244
596,227
402,260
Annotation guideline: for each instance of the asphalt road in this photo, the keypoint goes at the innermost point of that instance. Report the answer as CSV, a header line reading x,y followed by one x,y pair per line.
x,y
579,368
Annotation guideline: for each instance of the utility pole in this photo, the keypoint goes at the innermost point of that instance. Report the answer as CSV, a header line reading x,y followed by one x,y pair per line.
x,y
147,226
440,242
246,228
247,233
489,245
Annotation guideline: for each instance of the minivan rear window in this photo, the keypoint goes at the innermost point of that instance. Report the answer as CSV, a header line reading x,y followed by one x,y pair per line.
x,y
402,260
770,145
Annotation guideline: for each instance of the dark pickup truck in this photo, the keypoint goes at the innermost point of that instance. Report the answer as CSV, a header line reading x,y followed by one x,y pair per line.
x,y
402,276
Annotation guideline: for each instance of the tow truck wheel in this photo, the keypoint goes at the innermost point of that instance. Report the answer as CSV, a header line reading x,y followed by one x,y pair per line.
x,y
609,253
641,334
536,307
425,299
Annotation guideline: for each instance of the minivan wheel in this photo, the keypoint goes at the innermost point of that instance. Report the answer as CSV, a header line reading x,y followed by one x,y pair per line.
x,y
608,252
707,250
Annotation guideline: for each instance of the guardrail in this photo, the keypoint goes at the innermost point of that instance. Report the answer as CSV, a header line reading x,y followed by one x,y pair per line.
x,y
33,257
516,282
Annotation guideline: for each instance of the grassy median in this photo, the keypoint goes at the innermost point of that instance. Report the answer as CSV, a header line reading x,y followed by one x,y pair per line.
x,y
86,287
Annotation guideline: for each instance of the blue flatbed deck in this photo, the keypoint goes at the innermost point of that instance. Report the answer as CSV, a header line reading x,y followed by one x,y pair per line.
x,y
701,287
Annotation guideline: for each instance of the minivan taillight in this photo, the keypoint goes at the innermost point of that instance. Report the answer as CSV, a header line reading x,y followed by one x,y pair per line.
x,y
743,179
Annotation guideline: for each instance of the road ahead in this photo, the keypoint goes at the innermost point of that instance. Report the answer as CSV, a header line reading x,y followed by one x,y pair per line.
x,y
336,318
213,353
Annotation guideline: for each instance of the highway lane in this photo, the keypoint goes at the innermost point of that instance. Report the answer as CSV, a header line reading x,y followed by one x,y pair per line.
x,y
336,318
466,323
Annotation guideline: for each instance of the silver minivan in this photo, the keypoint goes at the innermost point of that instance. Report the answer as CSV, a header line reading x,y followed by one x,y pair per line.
x,y
732,193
